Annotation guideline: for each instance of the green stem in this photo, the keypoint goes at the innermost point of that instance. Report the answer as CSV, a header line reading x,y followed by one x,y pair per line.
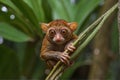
x,y
55,76
79,38
57,69
107,14
53,70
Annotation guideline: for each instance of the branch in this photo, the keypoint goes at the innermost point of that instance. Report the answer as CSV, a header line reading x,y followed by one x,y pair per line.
x,y
59,67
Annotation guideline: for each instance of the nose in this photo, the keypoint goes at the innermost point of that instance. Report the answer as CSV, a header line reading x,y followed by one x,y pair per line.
x,y
58,38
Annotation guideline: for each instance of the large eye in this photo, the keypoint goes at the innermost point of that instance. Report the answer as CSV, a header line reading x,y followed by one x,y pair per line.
x,y
52,32
64,31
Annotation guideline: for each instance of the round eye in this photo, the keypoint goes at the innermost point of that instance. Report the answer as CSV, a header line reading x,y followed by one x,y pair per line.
x,y
63,31
52,32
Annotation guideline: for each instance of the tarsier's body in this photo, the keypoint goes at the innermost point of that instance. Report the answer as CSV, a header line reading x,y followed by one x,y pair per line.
x,y
59,36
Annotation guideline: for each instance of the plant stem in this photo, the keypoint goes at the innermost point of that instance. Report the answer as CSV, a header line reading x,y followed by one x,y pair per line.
x,y
79,38
95,30
57,69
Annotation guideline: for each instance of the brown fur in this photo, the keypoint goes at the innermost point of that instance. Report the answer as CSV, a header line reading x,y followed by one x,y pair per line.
x,y
50,51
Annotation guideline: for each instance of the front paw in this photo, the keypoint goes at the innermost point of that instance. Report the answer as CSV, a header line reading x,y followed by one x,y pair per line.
x,y
70,47
65,58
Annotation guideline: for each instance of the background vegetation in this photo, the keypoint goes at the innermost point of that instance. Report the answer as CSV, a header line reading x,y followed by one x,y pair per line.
x,y
21,38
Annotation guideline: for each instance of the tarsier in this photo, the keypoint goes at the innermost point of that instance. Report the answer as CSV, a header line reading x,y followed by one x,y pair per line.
x,y
59,37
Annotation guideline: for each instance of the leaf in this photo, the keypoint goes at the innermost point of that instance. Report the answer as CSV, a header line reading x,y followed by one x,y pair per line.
x,y
39,70
47,10
68,7
29,60
19,20
26,10
9,65
29,14
60,9
83,9
37,8
9,32
5,17
10,4
20,50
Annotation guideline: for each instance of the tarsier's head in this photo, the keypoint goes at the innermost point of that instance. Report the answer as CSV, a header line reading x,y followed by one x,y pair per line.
x,y
59,31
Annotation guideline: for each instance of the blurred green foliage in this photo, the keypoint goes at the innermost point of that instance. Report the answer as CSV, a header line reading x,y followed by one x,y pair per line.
x,y
20,29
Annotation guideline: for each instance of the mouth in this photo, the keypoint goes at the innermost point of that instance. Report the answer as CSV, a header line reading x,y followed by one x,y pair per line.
x,y
59,42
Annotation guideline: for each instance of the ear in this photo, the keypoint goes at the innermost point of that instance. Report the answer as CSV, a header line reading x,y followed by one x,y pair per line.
x,y
44,27
73,26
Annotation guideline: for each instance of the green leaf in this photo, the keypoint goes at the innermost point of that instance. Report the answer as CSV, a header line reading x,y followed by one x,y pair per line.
x,y
29,60
83,9
29,14
9,32
5,17
60,9
39,70
19,20
47,10
10,4
20,50
37,8
9,66
68,8
26,10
